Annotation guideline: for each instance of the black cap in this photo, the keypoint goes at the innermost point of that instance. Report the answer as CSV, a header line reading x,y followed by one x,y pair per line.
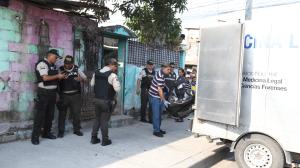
x,y
150,62
55,52
69,60
172,64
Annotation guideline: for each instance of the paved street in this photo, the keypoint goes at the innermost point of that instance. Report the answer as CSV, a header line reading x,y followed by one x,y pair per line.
x,y
228,162
133,147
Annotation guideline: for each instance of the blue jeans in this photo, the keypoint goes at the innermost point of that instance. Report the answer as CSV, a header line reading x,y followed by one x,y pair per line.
x,y
157,108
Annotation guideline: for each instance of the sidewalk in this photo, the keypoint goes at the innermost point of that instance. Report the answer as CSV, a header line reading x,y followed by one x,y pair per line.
x,y
133,147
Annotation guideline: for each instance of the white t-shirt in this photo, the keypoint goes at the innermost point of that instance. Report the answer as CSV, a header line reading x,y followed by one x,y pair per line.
x,y
43,69
112,79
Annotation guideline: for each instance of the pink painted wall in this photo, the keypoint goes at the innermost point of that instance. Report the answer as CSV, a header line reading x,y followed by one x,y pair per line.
x,y
60,26
17,79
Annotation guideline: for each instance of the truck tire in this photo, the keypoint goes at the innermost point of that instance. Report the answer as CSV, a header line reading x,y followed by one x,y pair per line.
x,y
259,151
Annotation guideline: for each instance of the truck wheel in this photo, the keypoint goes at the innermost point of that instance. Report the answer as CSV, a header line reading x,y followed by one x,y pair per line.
x,y
259,151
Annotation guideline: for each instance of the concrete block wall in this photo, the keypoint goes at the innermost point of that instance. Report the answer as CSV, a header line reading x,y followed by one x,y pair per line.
x,y
19,52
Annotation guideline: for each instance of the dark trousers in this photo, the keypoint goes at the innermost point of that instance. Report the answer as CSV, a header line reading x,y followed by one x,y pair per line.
x,y
103,111
72,101
44,114
144,103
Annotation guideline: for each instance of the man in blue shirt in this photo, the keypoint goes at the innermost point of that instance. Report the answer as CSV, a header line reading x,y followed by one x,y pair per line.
x,y
157,98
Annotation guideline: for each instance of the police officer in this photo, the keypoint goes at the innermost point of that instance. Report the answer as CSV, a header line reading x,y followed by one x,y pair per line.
x,y
70,95
106,84
170,80
47,79
143,85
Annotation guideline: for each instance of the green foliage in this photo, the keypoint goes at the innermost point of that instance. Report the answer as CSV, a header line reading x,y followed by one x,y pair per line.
x,y
154,21
98,9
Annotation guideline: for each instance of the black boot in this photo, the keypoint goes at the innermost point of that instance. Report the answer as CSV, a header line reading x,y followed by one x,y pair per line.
x,y
106,142
163,132
35,140
78,133
158,134
60,135
49,136
95,140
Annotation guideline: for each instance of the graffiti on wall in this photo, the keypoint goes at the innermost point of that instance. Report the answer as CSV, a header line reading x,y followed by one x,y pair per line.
x,y
27,32
44,40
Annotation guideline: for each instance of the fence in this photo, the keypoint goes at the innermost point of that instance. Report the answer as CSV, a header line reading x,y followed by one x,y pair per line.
x,y
139,53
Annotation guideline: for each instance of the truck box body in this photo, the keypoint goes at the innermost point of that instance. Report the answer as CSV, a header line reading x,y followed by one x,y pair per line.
x,y
267,99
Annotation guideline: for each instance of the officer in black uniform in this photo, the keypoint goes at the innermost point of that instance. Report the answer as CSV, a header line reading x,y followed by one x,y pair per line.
x,y
143,85
47,79
171,80
106,85
70,95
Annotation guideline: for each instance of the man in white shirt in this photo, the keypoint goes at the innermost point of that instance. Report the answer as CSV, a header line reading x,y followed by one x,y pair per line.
x,y
106,85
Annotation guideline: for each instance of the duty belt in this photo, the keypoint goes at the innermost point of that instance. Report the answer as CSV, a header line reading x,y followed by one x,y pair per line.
x,y
46,91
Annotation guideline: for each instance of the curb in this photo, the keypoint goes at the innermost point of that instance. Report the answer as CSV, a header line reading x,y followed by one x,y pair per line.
x,y
115,122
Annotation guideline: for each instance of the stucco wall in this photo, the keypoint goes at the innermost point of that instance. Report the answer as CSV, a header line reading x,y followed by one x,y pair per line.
x,y
22,43
19,41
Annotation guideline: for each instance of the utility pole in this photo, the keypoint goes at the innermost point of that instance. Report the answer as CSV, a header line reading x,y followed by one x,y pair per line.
x,y
248,11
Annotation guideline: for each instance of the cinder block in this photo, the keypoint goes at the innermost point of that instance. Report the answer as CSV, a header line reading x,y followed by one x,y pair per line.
x,y
5,101
28,85
30,29
24,101
32,49
14,86
17,67
28,77
8,14
14,56
3,46
16,47
11,36
15,76
9,56
23,48
4,66
11,25
31,39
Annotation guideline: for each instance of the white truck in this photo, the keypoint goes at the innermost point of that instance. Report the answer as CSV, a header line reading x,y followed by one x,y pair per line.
x,y
248,91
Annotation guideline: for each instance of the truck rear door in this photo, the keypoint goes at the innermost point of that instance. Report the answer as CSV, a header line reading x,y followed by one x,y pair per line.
x,y
219,74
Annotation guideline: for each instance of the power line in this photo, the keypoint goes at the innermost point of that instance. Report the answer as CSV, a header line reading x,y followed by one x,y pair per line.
x,y
211,4
258,7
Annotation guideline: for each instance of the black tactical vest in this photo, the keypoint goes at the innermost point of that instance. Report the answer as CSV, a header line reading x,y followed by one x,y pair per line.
x,y
70,84
51,71
171,80
146,81
103,90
